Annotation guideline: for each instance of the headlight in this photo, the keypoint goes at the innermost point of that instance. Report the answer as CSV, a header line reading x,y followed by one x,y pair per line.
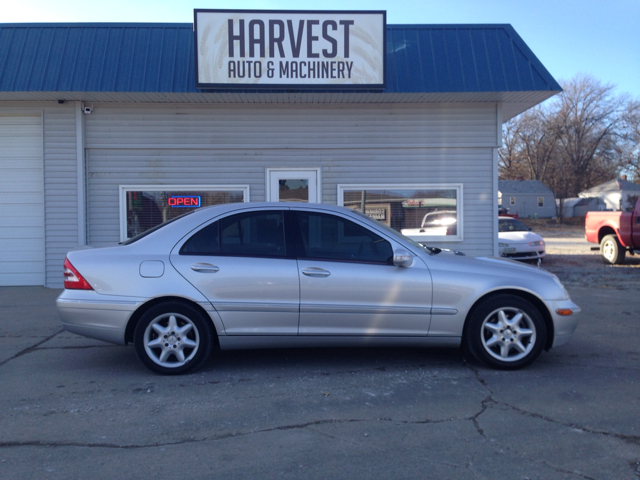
x,y
503,244
536,243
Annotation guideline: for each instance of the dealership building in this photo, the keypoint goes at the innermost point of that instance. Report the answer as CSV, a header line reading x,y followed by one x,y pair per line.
x,y
109,129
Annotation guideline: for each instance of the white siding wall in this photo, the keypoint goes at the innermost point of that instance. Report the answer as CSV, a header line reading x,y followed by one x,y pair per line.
x,y
60,186
130,144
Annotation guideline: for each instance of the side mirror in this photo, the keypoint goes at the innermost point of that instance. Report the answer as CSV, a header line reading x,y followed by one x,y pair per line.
x,y
402,258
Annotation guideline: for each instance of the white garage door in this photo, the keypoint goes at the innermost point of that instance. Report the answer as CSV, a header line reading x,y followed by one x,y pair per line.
x,y
21,200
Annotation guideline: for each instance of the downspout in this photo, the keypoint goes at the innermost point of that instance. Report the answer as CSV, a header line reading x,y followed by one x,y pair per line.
x,y
495,177
80,176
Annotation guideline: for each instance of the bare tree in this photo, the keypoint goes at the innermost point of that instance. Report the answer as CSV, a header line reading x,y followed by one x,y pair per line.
x,y
590,120
579,138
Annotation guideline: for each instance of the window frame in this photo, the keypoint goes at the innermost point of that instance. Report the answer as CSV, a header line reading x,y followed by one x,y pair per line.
x,y
123,189
459,237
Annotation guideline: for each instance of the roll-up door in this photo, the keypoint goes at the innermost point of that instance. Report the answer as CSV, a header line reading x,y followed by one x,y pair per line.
x,y
21,200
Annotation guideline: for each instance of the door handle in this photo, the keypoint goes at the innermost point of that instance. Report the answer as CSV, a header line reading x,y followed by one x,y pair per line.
x,y
204,268
316,272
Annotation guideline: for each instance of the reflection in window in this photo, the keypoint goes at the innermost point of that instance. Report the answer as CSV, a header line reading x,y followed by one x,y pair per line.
x,y
146,208
253,234
245,234
333,238
415,212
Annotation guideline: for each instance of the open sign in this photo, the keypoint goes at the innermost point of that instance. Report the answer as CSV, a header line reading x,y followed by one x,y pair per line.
x,y
192,201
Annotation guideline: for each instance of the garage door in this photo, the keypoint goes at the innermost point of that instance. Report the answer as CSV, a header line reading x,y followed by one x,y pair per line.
x,y
21,200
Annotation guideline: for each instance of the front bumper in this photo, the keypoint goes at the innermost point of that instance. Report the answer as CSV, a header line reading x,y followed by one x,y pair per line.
x,y
563,325
523,252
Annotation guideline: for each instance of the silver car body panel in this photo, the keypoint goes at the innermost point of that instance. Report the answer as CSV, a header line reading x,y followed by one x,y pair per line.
x,y
364,299
305,341
261,302
248,303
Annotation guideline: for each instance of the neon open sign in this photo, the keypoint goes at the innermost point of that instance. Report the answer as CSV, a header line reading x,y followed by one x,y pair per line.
x,y
192,201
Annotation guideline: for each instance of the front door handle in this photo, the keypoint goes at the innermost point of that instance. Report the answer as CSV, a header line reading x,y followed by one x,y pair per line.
x,y
316,272
204,268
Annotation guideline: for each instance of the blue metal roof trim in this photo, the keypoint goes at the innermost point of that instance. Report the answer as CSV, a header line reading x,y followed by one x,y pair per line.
x,y
463,58
152,58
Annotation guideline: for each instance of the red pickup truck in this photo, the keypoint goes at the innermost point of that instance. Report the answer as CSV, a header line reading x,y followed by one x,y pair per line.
x,y
616,232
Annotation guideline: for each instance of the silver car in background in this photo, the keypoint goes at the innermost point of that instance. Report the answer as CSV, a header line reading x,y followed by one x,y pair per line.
x,y
257,275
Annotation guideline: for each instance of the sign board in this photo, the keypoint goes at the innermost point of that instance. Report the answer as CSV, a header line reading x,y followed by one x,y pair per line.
x,y
377,213
289,49
182,201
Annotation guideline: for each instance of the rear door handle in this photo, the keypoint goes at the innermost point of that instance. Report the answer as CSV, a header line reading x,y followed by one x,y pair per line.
x,y
204,268
316,272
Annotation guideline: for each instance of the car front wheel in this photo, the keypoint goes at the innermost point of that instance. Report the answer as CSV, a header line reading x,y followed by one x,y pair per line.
x,y
173,338
505,332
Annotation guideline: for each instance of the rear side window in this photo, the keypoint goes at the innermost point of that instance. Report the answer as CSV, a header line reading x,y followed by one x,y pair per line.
x,y
330,237
246,234
204,242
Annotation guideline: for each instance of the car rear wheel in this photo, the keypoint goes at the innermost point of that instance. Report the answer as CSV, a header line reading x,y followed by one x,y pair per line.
x,y
611,251
505,332
173,338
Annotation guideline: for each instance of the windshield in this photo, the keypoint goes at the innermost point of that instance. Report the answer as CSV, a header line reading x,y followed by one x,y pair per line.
x,y
511,225
131,240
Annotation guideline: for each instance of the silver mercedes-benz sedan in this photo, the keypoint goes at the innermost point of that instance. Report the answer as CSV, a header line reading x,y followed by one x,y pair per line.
x,y
257,275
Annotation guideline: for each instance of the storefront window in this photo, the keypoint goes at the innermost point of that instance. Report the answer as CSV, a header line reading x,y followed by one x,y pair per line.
x,y
423,212
144,207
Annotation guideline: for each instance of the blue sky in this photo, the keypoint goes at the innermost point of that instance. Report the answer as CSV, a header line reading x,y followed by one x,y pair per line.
x,y
596,37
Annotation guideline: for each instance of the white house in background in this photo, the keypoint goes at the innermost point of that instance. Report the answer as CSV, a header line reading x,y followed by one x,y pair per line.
x,y
578,207
527,198
616,194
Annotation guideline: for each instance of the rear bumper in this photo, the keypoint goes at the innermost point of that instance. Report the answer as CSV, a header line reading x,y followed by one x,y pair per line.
x,y
96,316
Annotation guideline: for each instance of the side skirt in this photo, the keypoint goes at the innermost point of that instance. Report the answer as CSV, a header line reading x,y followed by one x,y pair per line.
x,y
241,342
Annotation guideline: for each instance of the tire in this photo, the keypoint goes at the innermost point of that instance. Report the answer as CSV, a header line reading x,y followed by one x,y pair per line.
x,y
611,251
505,332
189,338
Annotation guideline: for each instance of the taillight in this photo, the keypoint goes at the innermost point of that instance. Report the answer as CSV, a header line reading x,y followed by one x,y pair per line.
x,y
73,279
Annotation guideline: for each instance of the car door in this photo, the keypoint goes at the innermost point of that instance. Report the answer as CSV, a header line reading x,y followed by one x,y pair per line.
x,y
243,265
348,284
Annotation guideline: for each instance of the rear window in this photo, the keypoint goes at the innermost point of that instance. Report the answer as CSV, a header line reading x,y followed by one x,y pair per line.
x,y
153,229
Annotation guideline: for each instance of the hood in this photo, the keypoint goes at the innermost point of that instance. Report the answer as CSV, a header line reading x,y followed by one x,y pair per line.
x,y
519,237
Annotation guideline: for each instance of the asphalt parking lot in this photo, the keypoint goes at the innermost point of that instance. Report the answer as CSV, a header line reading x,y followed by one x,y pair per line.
x,y
77,408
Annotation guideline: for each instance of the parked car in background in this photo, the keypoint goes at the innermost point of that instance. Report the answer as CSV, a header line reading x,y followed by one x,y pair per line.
x,y
517,241
616,232
260,275
441,222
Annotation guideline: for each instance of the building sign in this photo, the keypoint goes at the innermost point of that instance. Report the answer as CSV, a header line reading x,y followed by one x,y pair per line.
x,y
377,213
289,49
192,201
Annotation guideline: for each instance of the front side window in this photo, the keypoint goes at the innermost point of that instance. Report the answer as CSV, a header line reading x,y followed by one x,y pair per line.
x,y
541,201
144,207
512,200
252,234
328,237
421,212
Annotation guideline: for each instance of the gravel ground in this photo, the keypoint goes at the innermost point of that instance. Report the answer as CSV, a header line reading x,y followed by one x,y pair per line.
x,y
570,257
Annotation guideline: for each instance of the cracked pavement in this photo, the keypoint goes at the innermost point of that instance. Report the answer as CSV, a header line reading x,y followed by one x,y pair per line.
x,y
72,407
